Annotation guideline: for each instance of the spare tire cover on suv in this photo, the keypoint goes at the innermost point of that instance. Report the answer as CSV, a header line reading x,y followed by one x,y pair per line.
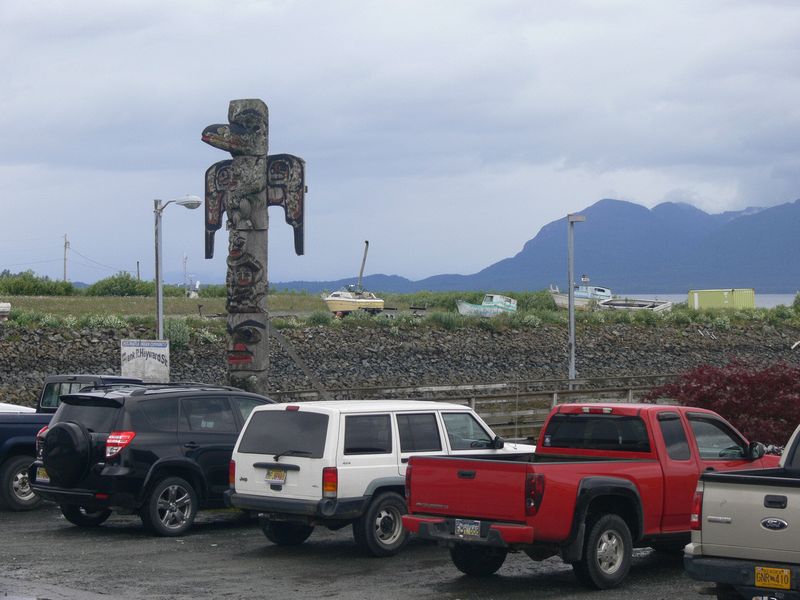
x,y
66,453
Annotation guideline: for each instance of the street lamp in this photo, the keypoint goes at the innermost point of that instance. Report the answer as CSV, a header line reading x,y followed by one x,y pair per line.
x,y
571,220
191,202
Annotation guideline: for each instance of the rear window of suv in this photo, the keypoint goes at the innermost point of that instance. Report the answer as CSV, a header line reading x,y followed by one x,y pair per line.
x,y
300,433
93,413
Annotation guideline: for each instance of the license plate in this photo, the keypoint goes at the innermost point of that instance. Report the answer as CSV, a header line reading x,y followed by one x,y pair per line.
x,y
468,528
770,577
41,475
276,476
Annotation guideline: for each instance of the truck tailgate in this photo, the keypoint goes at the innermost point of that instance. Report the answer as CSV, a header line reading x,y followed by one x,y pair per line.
x,y
493,490
752,516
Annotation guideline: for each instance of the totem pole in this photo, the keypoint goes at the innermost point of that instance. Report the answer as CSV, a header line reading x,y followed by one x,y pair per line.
x,y
243,188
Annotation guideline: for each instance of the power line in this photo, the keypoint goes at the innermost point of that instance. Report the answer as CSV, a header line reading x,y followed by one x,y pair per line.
x,y
35,262
109,267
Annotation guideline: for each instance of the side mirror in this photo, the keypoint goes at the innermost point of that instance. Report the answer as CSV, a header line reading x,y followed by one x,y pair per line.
x,y
498,442
755,450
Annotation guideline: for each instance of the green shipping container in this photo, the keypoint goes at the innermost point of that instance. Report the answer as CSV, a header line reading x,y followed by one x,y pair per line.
x,y
727,298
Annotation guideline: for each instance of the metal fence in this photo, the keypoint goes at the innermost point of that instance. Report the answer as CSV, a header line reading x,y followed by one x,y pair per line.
x,y
514,409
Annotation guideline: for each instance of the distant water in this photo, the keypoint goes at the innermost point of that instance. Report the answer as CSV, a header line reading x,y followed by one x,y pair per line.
x,y
762,300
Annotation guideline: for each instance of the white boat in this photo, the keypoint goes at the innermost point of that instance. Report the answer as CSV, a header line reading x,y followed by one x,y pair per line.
x,y
635,304
350,298
585,295
353,297
492,305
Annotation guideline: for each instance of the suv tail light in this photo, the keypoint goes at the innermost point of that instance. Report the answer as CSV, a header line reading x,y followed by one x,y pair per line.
x,y
696,517
40,440
534,492
117,440
330,482
408,483
232,474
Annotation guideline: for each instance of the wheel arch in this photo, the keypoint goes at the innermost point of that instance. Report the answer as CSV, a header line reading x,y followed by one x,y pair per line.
x,y
598,496
186,469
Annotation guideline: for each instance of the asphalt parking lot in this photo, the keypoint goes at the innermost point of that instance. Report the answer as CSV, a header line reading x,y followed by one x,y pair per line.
x,y
226,556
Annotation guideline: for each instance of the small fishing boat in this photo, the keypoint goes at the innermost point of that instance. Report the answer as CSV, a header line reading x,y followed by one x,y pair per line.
x,y
354,297
492,305
585,295
635,304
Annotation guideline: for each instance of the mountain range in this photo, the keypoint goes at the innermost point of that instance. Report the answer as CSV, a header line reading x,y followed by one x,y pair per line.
x,y
670,248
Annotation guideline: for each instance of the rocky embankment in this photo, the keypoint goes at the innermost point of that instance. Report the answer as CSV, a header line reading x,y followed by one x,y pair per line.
x,y
365,356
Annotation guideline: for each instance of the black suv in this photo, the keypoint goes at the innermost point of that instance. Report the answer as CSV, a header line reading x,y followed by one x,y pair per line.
x,y
161,451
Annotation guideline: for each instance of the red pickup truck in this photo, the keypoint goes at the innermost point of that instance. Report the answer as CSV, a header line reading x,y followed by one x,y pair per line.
x,y
604,478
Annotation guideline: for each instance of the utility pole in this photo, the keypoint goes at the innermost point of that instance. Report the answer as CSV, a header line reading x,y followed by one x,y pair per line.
x,y
66,247
138,277
571,220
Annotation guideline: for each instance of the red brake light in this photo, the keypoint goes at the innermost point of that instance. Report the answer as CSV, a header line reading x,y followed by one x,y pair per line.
x,y
117,440
696,518
40,439
534,492
292,407
330,482
232,474
408,484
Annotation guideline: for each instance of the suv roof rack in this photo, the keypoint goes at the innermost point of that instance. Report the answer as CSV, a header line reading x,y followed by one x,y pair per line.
x,y
144,388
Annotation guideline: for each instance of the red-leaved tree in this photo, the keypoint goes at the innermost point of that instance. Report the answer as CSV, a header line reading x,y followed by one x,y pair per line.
x,y
763,404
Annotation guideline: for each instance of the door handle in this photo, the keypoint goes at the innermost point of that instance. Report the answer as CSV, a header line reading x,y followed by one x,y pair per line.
x,y
191,445
466,474
403,460
710,469
774,501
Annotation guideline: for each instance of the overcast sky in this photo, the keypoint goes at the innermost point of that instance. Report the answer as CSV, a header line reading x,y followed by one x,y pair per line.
x,y
445,133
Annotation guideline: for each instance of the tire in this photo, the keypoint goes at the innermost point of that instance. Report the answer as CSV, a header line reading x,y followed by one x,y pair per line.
x,y
606,554
477,561
286,534
170,508
84,517
379,531
15,488
66,453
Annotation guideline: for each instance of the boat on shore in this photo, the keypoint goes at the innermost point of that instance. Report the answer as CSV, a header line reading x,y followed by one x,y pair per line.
x,y
354,297
585,296
350,298
492,305
635,304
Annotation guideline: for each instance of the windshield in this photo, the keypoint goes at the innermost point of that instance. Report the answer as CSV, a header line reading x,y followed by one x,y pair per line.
x,y
295,432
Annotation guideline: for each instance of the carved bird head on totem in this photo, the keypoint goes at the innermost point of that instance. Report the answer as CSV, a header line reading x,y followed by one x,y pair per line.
x,y
247,133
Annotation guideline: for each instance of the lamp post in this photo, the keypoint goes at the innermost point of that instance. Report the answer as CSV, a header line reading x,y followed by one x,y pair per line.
x,y
571,220
191,202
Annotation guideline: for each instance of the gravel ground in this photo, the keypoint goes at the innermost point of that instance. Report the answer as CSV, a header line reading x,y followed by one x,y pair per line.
x,y
225,556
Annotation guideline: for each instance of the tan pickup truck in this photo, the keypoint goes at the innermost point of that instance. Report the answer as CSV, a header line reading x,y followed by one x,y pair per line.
x,y
746,530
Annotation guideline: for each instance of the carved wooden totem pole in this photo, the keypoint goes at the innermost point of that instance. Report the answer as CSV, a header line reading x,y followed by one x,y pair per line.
x,y
243,188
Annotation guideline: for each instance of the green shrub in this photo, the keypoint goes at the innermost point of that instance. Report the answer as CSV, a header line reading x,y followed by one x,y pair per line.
x,y
320,317
28,284
177,332
121,284
445,320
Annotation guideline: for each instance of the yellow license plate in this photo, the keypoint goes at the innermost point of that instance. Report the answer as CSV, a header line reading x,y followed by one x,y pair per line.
x,y
770,577
41,475
276,476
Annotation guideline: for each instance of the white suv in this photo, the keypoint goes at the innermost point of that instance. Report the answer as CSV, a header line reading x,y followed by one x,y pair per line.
x,y
338,463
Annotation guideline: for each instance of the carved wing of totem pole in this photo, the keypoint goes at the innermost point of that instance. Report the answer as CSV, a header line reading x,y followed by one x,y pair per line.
x,y
242,188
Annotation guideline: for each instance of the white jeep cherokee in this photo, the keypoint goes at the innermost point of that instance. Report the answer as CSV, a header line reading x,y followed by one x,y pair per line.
x,y
338,463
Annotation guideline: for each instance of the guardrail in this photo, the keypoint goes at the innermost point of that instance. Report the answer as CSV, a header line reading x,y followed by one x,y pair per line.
x,y
515,409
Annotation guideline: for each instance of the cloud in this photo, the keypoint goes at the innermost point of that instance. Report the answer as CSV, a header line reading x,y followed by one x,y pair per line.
x,y
454,130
